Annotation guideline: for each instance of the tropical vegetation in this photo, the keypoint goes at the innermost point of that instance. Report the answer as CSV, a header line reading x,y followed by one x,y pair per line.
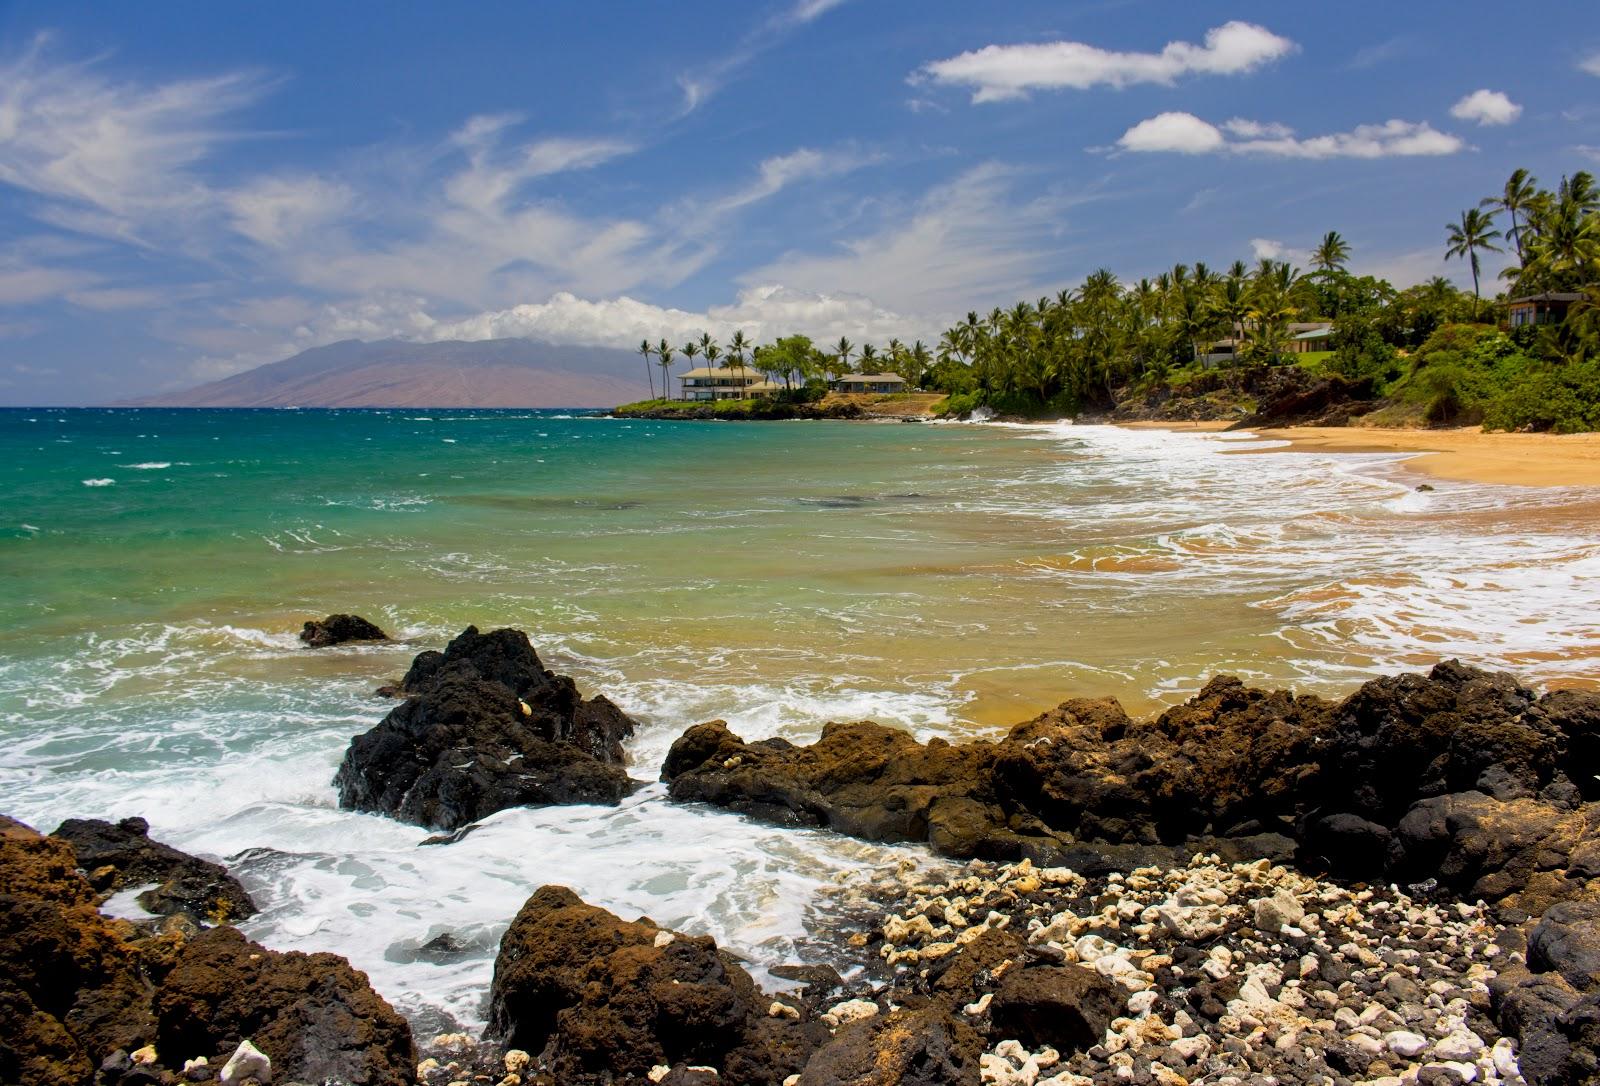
x,y
1441,354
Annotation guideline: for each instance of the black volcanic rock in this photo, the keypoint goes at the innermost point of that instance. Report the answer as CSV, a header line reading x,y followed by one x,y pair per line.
x,y
484,727
337,629
121,855
1458,774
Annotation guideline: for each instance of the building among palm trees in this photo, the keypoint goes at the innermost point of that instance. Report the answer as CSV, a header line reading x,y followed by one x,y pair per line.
x,y
715,383
1547,308
868,382
1309,336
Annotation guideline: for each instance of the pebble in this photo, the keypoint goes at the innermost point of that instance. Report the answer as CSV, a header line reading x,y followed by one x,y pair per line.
x,y
1244,974
851,1010
247,1061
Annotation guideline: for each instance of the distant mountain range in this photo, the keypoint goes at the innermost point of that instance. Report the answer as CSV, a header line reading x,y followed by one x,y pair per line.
x,y
452,373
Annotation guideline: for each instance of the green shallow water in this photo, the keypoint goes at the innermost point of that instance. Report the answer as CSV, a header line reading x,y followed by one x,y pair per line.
x,y
155,566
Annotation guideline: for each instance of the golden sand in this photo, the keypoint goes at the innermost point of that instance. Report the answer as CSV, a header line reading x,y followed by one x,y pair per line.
x,y
1466,455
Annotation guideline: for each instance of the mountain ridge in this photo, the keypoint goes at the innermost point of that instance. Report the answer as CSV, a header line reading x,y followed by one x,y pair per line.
x,y
446,373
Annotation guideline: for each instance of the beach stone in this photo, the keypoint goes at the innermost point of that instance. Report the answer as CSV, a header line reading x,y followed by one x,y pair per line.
x,y
115,856
1405,1043
337,629
1066,1007
247,1061
485,727
1273,914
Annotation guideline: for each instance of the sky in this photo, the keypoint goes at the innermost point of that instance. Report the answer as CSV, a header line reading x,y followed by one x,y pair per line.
x,y
191,189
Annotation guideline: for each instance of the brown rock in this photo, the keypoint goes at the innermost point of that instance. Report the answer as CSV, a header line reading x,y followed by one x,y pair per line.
x,y
314,1016
337,629
922,1047
594,994
74,990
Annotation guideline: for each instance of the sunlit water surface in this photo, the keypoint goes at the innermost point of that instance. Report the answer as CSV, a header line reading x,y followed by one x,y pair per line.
x,y
155,565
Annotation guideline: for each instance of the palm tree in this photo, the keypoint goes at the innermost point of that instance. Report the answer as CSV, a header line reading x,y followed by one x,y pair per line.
x,y
844,349
737,345
1473,234
1518,197
664,354
917,361
647,350
1331,255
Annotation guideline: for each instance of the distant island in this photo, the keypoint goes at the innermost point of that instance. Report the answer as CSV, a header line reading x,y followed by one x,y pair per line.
x,y
450,373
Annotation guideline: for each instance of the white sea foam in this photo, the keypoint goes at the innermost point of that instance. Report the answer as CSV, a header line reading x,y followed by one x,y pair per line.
x,y
152,465
226,735
99,482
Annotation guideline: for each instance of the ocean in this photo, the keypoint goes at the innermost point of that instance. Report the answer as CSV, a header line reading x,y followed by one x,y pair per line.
x,y
952,579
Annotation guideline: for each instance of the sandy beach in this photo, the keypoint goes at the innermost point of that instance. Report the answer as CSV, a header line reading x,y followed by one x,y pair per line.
x,y
1466,455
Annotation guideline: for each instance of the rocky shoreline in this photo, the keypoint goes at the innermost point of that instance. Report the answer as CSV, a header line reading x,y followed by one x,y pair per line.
x,y
1252,887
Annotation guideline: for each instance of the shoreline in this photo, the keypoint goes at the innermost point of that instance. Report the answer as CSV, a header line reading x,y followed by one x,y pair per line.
x,y
1460,455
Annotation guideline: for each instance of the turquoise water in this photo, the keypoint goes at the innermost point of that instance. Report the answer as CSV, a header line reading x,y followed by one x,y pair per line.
x,y
155,565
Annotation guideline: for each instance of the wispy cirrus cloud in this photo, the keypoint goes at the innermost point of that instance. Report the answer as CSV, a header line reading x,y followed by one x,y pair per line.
x,y
1383,52
700,84
112,157
778,172
997,73
972,240
1184,133
1590,64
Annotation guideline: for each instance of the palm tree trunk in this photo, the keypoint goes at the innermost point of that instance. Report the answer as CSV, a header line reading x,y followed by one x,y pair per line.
x,y
1477,300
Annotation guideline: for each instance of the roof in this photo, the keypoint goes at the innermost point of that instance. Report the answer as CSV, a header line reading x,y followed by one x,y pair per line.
x,y
764,386
1308,326
1547,296
871,378
719,371
1316,333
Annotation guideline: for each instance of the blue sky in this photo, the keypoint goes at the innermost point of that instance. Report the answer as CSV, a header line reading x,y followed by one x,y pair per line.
x,y
191,189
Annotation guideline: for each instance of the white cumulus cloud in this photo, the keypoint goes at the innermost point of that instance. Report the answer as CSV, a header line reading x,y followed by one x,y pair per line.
x,y
1486,107
1181,132
1590,64
999,72
1185,133
763,313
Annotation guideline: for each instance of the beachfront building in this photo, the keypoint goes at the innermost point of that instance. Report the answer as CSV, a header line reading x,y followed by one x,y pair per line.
x,y
1310,336
719,383
868,382
1547,308
1299,337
